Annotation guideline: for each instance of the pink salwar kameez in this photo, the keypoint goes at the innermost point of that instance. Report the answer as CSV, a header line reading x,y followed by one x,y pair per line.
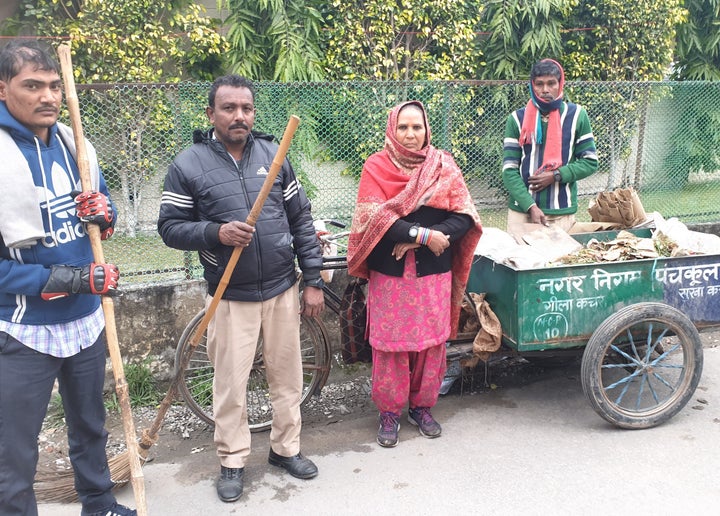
x,y
409,323
410,317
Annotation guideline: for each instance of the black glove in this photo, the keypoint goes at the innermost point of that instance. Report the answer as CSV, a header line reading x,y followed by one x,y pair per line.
x,y
95,208
94,278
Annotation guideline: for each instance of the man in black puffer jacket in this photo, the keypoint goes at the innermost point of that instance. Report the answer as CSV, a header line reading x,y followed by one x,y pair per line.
x,y
209,191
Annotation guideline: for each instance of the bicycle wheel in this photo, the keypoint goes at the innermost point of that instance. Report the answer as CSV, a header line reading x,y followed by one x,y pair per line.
x,y
196,385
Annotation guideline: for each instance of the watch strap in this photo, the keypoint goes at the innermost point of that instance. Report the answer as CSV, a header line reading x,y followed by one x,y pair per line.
x,y
317,282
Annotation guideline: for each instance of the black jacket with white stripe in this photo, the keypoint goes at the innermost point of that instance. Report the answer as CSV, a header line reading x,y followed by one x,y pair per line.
x,y
205,187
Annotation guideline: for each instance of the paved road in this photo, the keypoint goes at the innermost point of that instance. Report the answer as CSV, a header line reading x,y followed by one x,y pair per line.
x,y
530,449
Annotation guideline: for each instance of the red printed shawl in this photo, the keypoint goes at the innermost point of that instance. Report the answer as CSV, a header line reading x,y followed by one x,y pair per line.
x,y
397,181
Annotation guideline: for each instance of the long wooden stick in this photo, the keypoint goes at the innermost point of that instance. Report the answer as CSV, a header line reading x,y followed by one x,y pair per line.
x,y
121,386
148,437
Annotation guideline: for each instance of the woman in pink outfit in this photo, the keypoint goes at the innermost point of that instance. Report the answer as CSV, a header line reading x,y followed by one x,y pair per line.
x,y
413,236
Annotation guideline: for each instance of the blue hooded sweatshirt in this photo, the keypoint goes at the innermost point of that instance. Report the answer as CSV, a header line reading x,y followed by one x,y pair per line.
x,y
24,272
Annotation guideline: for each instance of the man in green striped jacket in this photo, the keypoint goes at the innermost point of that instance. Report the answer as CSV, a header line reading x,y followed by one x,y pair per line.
x,y
548,147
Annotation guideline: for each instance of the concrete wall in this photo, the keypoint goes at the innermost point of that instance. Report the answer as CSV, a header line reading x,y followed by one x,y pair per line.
x,y
151,319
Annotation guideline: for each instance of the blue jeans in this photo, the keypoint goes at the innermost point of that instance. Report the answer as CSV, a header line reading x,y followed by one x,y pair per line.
x,y
26,382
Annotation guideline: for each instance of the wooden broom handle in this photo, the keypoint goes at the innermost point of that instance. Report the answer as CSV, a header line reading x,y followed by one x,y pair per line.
x,y
136,474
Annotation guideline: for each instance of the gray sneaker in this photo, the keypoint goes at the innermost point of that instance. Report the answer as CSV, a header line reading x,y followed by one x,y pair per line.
x,y
114,510
422,418
387,435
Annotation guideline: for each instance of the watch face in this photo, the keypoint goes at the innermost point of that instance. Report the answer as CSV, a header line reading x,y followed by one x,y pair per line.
x,y
413,232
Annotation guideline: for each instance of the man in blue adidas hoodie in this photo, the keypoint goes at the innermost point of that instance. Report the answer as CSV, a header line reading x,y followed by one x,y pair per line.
x,y
51,323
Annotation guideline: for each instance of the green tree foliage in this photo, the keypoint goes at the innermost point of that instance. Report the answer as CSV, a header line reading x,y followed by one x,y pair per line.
x,y
698,42
274,39
401,39
518,33
129,41
695,143
620,40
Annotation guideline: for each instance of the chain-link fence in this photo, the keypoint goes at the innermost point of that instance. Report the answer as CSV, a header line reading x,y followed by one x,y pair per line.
x,y
661,138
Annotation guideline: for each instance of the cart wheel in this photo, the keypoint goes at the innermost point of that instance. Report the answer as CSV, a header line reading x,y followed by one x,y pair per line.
x,y
642,365
196,386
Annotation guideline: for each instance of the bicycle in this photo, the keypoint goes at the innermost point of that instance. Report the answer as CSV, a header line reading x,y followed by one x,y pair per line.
x,y
316,352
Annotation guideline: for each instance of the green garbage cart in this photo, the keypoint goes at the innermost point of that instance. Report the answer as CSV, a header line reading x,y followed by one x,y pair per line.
x,y
636,324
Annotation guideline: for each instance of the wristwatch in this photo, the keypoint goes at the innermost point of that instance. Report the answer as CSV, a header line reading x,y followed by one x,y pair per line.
x,y
413,232
557,176
318,282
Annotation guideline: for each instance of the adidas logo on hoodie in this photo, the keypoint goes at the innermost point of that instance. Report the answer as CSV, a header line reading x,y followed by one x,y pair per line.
x,y
56,199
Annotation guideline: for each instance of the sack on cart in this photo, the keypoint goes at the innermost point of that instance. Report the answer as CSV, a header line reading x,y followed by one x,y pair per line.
x,y
621,206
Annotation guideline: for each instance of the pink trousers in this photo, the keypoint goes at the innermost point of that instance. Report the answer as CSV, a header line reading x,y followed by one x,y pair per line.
x,y
407,377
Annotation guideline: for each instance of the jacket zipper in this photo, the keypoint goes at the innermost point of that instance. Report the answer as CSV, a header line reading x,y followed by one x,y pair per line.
x,y
249,204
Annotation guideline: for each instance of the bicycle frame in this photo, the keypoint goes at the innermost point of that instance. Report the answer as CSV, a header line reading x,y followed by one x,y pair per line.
x,y
332,300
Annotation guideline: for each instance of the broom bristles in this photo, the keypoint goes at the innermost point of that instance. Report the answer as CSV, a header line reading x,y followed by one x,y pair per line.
x,y
58,486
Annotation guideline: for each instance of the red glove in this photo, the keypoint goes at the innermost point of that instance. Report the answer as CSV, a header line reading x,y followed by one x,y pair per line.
x,y
94,278
95,208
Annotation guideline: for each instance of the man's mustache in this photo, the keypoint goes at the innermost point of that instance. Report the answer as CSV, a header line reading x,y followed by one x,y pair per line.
x,y
239,126
44,109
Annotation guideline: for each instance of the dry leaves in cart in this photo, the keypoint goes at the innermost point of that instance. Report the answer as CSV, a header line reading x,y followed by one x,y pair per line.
x,y
625,246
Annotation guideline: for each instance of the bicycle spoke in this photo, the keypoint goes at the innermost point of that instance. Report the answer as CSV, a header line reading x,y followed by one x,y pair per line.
x,y
646,378
627,381
618,366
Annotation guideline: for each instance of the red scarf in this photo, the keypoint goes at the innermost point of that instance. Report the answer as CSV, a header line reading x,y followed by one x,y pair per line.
x,y
397,181
531,130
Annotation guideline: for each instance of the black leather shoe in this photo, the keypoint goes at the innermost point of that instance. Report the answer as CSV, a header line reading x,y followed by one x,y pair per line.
x,y
297,465
230,484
